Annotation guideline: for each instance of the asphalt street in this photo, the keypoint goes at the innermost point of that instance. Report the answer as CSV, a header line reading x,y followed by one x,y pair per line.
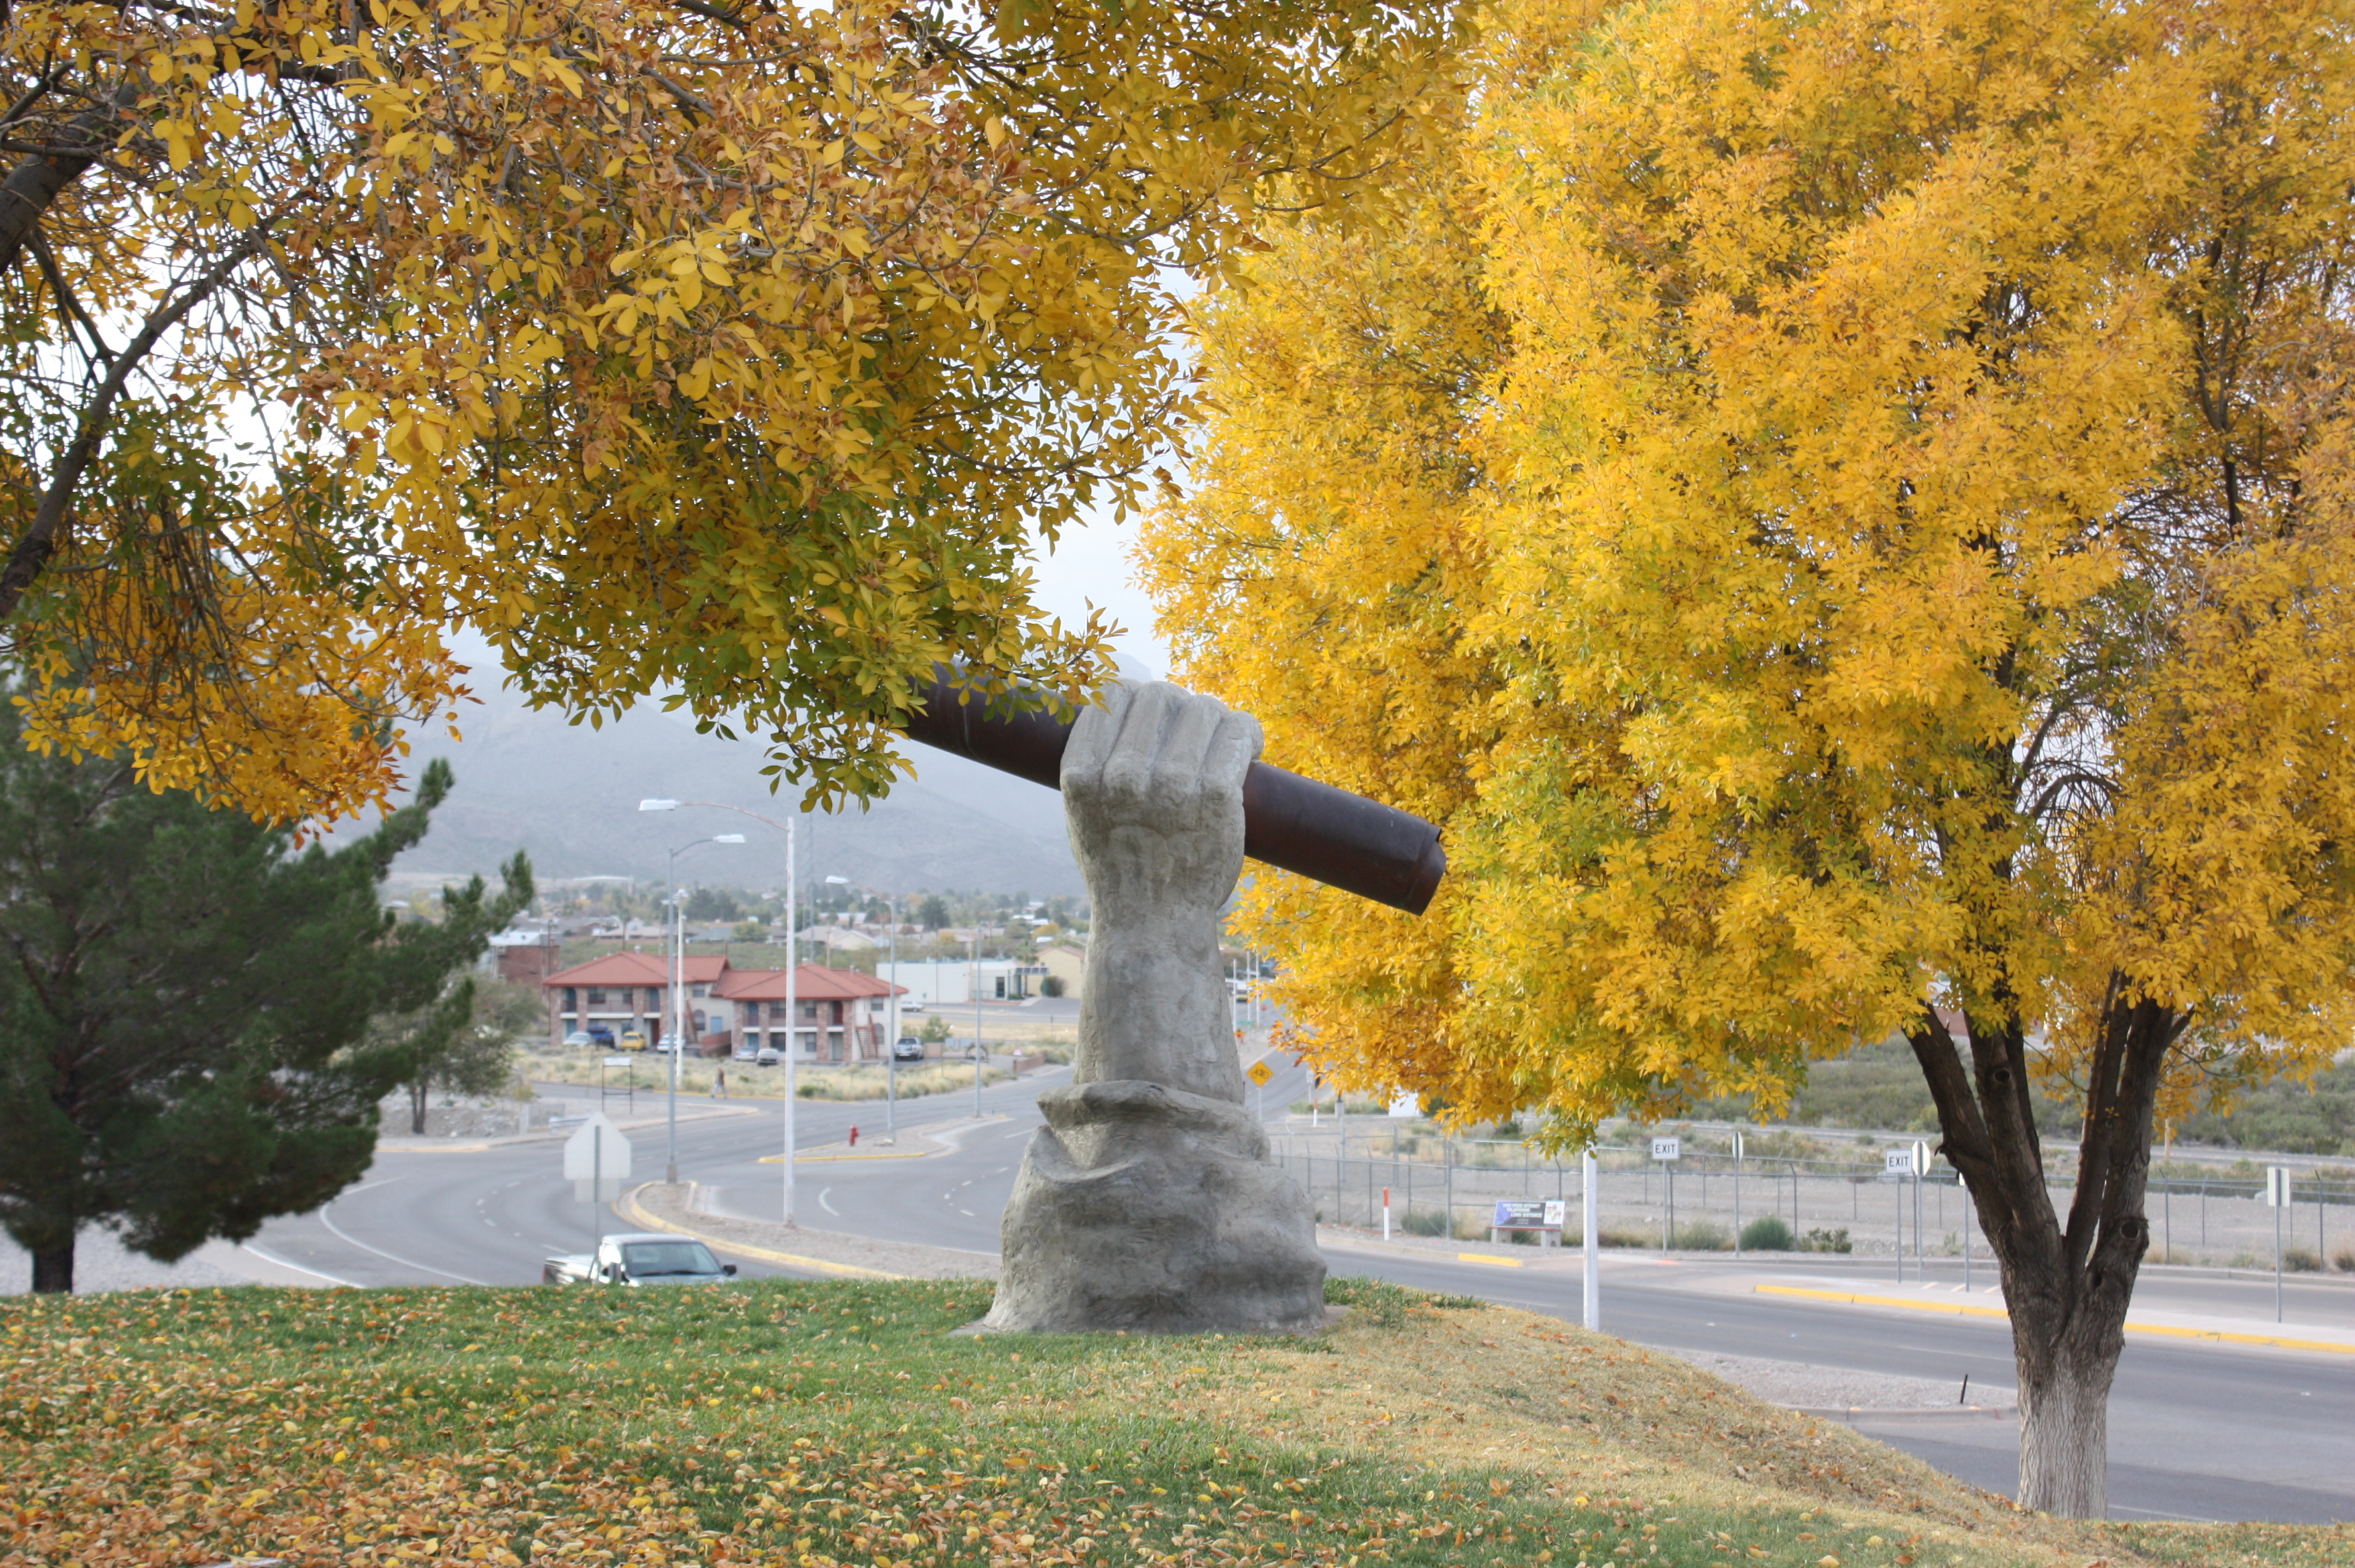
x,y
2197,1430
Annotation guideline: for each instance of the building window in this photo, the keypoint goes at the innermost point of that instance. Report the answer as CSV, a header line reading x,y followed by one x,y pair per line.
x,y
809,1009
596,996
571,999
701,991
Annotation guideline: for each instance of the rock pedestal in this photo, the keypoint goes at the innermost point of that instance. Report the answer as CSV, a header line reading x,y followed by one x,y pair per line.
x,y
1148,1209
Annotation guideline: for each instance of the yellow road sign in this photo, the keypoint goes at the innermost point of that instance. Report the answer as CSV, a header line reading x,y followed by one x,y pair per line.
x,y
1260,1072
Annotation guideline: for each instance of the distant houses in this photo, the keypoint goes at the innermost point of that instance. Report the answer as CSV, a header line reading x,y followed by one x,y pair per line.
x,y
843,1011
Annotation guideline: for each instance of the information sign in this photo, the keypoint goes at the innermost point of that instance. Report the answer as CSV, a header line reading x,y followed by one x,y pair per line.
x,y
2276,1187
597,1157
1259,1072
1528,1214
1668,1149
1896,1162
1921,1158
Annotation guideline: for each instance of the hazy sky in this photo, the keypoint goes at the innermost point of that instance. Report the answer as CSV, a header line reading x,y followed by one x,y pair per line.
x,y
1091,565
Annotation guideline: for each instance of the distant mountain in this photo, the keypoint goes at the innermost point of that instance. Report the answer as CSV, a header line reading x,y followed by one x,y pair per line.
x,y
569,794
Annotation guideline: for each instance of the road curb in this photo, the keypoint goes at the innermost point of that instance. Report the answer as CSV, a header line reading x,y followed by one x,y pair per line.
x,y
631,1210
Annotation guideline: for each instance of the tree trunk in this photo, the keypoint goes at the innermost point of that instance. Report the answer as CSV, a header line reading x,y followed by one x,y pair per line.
x,y
417,1090
2064,1429
53,1270
2066,1284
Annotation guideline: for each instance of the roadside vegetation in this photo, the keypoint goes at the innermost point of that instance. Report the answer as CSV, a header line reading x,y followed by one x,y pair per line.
x,y
841,1424
748,1082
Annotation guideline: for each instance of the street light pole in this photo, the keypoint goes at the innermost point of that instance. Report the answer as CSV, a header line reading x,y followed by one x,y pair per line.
x,y
891,1012
677,1001
792,1023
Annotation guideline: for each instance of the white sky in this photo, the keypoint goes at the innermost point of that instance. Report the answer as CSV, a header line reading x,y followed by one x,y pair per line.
x,y
1091,565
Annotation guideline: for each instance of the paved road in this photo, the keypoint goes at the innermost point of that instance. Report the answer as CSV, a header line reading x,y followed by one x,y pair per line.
x,y
2195,1431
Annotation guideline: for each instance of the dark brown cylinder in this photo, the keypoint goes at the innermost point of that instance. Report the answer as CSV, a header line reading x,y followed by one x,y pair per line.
x,y
1295,824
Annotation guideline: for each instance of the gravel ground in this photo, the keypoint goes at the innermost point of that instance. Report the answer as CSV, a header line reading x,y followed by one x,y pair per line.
x,y
102,1263
1797,1386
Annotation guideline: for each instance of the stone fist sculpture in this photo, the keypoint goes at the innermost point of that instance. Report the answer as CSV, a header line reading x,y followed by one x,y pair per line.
x,y
1147,1203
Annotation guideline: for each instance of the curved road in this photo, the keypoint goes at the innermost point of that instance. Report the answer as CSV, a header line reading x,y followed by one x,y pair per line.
x,y
2197,1430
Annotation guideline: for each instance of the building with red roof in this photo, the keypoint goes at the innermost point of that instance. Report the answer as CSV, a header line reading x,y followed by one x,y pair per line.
x,y
843,1011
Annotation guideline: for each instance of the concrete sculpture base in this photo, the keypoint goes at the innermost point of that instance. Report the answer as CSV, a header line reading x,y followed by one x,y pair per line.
x,y
1148,1209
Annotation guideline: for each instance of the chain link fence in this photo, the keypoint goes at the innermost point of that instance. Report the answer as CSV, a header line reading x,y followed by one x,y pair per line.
x,y
1438,1184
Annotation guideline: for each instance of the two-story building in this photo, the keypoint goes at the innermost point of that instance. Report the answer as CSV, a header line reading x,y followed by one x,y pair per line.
x,y
844,1012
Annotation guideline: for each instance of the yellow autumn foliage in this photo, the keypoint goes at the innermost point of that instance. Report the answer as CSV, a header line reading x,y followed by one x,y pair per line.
x,y
1837,509
730,352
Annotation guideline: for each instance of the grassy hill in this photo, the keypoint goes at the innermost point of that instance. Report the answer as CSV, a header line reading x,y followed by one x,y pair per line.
x,y
842,1424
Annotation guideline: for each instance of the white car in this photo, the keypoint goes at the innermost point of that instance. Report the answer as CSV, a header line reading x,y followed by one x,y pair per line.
x,y
747,1052
908,1047
769,1057
639,1258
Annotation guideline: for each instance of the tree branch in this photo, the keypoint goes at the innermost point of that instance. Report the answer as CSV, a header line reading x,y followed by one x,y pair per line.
x,y
41,538
33,185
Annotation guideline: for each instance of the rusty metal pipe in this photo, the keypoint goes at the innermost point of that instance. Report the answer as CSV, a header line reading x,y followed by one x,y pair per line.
x,y
1295,824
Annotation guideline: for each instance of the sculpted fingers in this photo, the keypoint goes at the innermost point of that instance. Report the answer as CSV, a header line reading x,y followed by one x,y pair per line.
x,y
1129,764
1094,735
1231,752
1178,776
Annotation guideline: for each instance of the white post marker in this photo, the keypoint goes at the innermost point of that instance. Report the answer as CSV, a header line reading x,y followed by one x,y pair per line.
x,y
1667,1151
2277,1200
793,1010
1737,1192
1591,1286
1921,1170
1962,1185
1386,1213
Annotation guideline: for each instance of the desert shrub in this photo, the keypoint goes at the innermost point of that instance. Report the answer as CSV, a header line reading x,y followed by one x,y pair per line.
x,y
1703,1236
2344,1258
1767,1233
1820,1241
1052,986
2301,1260
1423,1224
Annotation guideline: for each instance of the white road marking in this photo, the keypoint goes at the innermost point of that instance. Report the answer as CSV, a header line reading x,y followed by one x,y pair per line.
x,y
298,1268
827,1206
328,1220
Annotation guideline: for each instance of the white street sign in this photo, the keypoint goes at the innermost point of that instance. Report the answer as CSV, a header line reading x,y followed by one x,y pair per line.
x,y
1668,1149
617,1062
2276,1187
1921,1158
1737,1143
597,1152
1896,1162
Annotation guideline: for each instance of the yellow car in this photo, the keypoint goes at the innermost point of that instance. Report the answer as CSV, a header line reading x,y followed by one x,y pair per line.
x,y
632,1040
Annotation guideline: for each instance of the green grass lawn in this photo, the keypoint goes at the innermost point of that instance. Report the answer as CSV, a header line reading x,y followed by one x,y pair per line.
x,y
842,1423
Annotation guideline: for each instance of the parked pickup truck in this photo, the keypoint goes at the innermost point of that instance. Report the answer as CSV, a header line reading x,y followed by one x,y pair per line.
x,y
639,1258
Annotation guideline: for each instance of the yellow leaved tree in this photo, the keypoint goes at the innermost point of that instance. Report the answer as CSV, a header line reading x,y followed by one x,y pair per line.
x,y
732,351
1845,511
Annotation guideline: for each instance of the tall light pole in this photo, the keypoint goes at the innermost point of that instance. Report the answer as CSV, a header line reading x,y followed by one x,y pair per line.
x,y
793,1022
677,987
891,1004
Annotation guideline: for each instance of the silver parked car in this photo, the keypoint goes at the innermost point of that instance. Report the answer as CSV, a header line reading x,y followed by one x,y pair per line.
x,y
639,1258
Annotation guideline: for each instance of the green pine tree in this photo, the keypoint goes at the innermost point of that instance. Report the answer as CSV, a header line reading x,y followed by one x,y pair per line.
x,y
185,1005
